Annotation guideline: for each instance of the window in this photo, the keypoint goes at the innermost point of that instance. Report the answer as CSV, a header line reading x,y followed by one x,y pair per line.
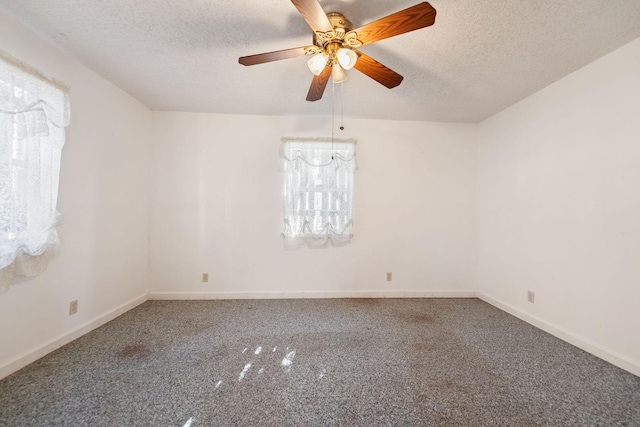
x,y
33,115
318,191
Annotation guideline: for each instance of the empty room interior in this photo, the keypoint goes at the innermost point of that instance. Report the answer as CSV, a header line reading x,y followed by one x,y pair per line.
x,y
440,225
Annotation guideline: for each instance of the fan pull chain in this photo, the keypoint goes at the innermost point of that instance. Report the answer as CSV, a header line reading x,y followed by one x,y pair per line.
x,y
342,106
333,108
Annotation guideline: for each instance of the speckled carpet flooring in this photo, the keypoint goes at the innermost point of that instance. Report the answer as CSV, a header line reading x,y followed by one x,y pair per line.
x,y
346,362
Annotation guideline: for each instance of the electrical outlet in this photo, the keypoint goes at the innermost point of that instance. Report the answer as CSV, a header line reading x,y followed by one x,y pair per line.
x,y
205,277
389,277
531,296
73,307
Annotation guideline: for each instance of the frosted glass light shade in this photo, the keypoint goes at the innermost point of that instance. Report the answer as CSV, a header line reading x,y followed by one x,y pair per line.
x,y
317,63
338,74
347,58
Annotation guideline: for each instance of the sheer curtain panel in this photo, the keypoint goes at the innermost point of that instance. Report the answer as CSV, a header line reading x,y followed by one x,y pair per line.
x,y
317,191
33,115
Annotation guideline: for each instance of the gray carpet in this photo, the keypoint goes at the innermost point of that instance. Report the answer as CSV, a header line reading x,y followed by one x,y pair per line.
x,y
351,362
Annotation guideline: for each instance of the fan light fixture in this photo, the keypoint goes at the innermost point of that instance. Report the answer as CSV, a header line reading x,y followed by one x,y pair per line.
x,y
347,58
317,63
338,75
343,59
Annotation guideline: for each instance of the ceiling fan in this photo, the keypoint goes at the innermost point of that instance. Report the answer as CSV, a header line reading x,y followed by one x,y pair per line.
x,y
335,42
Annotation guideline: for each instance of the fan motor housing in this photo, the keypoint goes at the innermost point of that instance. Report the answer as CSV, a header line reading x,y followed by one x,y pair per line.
x,y
341,26
338,20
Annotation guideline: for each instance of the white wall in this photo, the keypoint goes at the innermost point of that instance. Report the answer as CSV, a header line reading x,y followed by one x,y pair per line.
x,y
104,201
559,207
216,208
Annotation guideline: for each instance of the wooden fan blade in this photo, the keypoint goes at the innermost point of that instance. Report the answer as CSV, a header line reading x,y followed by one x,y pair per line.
x,y
261,58
416,17
378,72
312,12
318,84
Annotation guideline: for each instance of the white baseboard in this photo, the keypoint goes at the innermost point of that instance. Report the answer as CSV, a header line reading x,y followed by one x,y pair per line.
x,y
310,295
46,348
580,342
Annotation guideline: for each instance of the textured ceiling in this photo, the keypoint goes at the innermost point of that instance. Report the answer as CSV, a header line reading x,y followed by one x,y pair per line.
x,y
478,58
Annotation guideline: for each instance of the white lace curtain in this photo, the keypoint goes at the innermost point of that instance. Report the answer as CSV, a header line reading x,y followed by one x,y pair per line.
x,y
318,191
33,115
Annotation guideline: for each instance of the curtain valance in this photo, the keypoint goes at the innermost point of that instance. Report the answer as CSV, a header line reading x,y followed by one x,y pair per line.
x,y
318,191
33,115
